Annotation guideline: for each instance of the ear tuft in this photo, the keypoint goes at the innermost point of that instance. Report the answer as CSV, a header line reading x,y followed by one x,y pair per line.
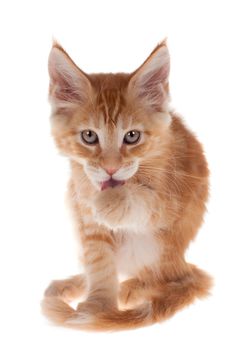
x,y
150,81
68,84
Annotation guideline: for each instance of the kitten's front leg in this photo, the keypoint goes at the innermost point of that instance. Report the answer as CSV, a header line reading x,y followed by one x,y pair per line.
x,y
124,206
99,261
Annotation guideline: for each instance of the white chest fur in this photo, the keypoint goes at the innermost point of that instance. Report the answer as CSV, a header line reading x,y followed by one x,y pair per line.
x,y
136,251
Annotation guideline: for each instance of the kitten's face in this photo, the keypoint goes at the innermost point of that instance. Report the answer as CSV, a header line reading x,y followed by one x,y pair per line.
x,y
109,123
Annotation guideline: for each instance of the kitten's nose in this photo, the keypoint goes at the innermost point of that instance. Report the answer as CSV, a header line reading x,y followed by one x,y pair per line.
x,y
111,171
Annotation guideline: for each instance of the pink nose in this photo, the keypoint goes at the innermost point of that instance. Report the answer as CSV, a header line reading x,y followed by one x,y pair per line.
x,y
111,171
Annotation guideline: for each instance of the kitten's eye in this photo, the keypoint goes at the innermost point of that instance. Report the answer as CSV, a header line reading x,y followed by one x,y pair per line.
x,y
132,137
89,136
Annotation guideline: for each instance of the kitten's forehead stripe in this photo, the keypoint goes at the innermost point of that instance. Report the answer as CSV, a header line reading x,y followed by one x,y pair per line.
x,y
110,103
110,99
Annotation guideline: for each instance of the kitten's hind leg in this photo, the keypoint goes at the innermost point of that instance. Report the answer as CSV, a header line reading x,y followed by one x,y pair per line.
x,y
166,295
68,289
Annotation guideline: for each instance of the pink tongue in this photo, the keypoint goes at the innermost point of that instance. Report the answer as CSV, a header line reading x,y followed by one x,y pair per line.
x,y
111,183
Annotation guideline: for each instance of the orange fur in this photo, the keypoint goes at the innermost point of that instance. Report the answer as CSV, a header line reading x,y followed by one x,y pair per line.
x,y
143,226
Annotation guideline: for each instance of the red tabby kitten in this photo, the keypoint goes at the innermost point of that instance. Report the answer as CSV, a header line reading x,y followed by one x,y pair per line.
x,y
138,188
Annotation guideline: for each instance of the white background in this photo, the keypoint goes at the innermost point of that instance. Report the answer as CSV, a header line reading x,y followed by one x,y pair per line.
x,y
37,241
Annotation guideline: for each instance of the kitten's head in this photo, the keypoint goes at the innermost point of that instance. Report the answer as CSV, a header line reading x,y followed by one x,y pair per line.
x,y
109,123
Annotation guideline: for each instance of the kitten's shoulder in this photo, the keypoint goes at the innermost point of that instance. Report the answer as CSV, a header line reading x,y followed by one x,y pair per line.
x,y
187,147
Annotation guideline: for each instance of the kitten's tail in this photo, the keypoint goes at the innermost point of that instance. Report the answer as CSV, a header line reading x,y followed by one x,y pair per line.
x,y
174,296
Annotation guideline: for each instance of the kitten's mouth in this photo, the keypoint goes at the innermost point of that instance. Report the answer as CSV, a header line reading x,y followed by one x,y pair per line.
x,y
111,183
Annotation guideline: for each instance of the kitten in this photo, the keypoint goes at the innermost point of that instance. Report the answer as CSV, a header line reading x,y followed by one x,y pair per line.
x,y
138,188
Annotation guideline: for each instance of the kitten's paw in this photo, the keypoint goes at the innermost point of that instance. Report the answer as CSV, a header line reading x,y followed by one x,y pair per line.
x,y
59,289
68,289
95,304
112,206
131,293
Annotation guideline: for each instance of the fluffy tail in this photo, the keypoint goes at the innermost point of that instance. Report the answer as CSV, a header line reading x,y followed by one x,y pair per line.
x,y
172,297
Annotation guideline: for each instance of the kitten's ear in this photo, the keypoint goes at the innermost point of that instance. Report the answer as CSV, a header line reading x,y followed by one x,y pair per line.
x,y
150,81
68,84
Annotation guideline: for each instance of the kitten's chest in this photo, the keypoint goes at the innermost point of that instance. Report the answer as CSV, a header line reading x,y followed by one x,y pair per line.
x,y
136,251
